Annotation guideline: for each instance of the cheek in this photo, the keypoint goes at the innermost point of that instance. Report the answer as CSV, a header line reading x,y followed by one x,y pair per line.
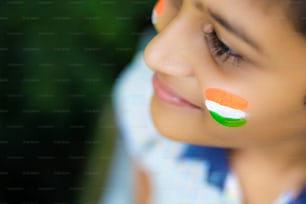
x,y
275,117
226,108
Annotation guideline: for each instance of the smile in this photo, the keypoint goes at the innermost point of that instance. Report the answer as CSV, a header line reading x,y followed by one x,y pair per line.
x,y
168,96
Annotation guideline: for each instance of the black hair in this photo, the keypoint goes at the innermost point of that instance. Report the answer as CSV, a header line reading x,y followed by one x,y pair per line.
x,y
297,15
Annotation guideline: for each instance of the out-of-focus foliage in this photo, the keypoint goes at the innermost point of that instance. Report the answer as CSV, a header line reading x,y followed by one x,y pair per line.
x,y
58,60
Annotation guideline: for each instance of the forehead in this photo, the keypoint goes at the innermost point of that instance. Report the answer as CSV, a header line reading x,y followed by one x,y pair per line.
x,y
288,11
263,4
267,5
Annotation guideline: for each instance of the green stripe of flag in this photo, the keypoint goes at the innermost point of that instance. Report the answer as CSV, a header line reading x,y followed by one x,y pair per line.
x,y
230,122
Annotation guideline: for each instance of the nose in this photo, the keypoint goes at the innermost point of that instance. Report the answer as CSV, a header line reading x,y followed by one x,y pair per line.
x,y
169,51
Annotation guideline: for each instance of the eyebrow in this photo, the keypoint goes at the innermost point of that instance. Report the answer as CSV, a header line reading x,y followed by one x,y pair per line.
x,y
230,27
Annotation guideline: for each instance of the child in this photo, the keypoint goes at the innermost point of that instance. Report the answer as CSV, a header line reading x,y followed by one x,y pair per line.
x,y
228,104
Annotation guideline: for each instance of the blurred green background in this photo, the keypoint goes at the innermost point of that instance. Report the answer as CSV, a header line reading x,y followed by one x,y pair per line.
x,y
59,60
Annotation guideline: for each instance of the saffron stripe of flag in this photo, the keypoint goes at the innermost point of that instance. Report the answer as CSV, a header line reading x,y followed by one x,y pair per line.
x,y
157,10
225,98
159,7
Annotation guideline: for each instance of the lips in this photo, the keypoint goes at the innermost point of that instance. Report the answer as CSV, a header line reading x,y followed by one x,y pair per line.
x,y
164,93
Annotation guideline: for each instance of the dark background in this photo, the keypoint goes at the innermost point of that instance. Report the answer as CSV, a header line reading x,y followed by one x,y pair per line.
x,y
58,61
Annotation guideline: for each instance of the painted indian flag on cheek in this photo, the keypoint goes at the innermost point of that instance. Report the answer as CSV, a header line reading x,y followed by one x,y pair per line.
x,y
226,108
158,9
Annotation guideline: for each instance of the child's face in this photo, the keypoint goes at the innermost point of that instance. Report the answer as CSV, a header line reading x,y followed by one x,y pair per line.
x,y
243,47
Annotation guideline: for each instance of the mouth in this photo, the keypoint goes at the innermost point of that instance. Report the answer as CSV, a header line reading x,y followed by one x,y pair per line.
x,y
165,94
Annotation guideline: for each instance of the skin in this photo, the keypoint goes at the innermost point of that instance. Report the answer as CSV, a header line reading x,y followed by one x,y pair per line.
x,y
141,185
272,78
185,64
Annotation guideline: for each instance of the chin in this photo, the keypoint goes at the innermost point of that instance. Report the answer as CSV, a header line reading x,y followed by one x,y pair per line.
x,y
163,129
163,122
170,123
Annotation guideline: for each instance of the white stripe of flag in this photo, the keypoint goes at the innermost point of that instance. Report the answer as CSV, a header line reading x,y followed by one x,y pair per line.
x,y
224,111
153,17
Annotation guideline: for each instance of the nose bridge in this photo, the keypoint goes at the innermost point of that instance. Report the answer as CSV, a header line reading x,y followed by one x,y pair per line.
x,y
168,51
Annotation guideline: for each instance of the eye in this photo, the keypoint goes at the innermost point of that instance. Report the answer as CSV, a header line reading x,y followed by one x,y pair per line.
x,y
221,51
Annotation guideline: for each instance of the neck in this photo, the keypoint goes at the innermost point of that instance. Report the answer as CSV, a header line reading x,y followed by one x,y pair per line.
x,y
270,170
287,158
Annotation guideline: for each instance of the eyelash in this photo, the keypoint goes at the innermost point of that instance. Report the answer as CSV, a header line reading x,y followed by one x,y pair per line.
x,y
220,50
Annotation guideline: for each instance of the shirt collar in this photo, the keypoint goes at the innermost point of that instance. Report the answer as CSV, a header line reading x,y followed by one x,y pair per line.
x,y
301,199
219,166
216,159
